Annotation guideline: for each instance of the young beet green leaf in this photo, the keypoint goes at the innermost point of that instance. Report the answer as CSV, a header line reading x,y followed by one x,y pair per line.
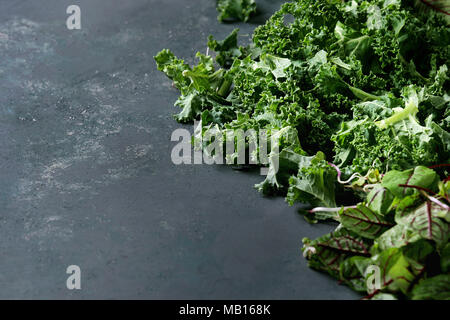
x,y
401,251
364,222
398,236
351,275
397,182
328,252
396,271
425,220
380,200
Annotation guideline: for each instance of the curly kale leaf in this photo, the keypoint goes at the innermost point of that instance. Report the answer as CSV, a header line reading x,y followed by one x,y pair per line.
x,y
383,137
235,10
314,183
173,68
202,87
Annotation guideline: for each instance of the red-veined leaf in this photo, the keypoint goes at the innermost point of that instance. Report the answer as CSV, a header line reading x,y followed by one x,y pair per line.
x,y
364,221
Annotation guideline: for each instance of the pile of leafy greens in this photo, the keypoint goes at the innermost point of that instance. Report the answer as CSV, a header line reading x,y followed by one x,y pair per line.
x,y
395,242
361,92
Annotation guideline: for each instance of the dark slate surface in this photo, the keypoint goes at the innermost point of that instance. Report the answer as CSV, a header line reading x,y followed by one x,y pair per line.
x,y
86,174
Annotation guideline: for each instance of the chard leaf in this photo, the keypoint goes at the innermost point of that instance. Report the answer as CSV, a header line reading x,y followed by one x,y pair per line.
x,y
329,251
425,220
420,177
364,221
396,271
380,200
351,275
398,236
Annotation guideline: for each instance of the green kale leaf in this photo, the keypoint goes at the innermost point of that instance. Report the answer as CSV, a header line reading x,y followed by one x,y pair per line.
x,y
235,9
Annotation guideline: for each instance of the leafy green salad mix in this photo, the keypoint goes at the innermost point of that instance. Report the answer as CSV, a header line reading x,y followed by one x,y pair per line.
x,y
362,91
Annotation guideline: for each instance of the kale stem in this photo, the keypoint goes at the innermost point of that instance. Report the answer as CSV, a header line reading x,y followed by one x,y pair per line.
x,y
362,94
224,88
